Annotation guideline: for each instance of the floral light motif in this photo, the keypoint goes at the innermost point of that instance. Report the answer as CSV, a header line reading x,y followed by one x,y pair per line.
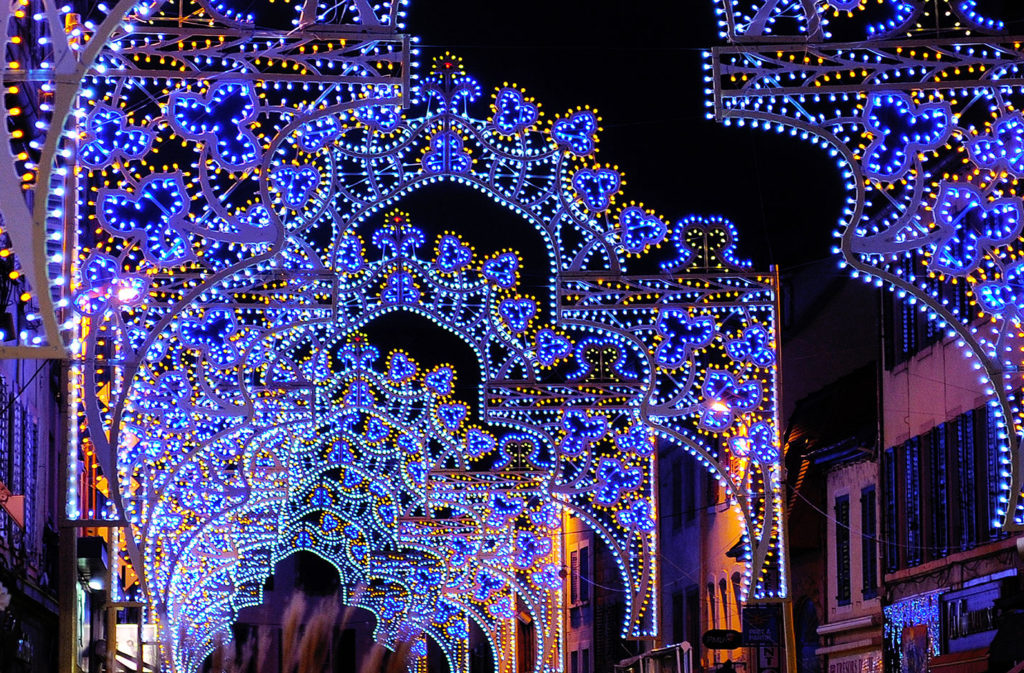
x,y
1003,297
447,154
681,335
155,214
108,139
221,118
969,223
581,431
1004,148
753,346
638,517
104,286
724,397
614,480
901,129
759,443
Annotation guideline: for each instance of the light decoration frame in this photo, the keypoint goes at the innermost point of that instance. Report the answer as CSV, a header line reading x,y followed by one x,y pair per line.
x,y
917,103
224,271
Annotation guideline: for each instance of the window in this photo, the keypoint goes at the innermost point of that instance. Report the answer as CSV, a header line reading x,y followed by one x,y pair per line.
x,y
574,662
584,574
842,512
737,589
890,514
579,575
712,607
574,577
908,329
940,491
726,607
963,431
912,502
585,660
868,542
938,507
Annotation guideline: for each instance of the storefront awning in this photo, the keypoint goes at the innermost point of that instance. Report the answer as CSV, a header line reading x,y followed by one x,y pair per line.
x,y
968,661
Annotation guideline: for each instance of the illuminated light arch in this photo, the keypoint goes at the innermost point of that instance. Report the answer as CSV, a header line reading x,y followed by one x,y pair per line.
x,y
925,133
218,273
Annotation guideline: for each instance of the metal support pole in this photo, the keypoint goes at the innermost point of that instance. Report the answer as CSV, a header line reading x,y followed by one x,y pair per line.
x,y
67,546
109,607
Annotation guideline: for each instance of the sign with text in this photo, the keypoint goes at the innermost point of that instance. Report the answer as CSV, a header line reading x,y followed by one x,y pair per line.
x,y
722,639
762,624
769,660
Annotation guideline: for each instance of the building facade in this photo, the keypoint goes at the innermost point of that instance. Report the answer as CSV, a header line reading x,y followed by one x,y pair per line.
x,y
949,568
29,454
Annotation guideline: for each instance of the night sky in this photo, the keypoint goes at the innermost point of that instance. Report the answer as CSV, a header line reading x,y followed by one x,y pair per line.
x,y
642,71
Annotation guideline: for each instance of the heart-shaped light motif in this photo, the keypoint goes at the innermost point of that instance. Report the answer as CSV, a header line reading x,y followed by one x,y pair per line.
x,y
596,187
452,415
512,112
417,472
441,381
551,347
315,135
320,497
380,118
400,367
296,184
639,229
578,133
376,430
517,313
447,155
386,513
401,289
502,270
452,254
478,443
350,253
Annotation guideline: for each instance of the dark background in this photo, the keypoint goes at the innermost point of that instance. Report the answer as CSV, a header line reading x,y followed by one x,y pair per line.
x,y
639,64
